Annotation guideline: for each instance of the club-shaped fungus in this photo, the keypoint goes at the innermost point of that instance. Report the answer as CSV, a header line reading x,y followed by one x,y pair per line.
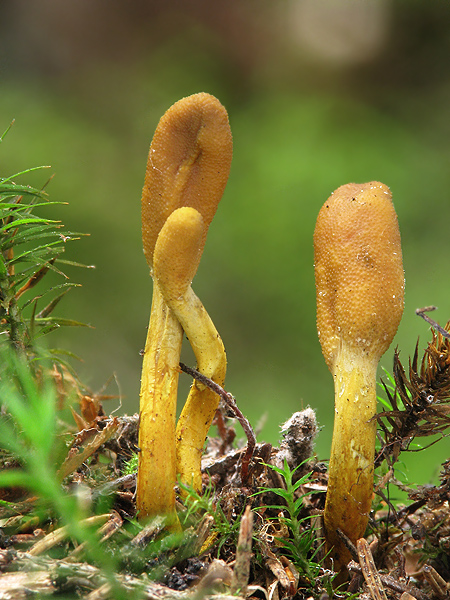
x,y
188,166
360,288
177,255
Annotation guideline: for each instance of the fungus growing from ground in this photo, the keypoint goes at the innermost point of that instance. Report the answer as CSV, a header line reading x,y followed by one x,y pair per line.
x,y
177,255
188,166
360,287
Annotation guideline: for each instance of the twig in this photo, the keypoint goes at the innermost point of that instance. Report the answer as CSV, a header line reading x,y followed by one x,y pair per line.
x,y
126,481
149,532
369,570
22,574
391,583
59,535
241,569
76,458
202,535
231,403
439,585
104,533
421,313
407,511
348,543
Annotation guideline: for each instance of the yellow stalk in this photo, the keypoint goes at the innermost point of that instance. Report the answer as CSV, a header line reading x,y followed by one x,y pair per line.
x,y
350,472
188,165
176,258
158,400
360,288
201,405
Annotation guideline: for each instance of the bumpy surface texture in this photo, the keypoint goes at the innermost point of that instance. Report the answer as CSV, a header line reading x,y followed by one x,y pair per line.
x,y
359,272
188,164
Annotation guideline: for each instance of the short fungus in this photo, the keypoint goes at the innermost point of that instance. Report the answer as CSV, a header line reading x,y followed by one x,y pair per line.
x,y
188,166
176,258
360,287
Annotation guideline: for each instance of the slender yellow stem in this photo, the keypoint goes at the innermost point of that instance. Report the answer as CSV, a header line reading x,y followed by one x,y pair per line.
x,y
157,471
350,474
201,404
360,287
188,166
176,258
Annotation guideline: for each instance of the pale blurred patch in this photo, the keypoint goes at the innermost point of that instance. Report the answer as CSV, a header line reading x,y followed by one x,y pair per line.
x,y
341,32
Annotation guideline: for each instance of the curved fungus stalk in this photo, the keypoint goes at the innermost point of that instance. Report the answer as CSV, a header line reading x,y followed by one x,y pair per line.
x,y
176,258
188,165
360,288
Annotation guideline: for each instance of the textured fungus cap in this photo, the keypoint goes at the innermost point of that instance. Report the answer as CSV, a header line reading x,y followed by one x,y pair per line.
x,y
359,271
188,164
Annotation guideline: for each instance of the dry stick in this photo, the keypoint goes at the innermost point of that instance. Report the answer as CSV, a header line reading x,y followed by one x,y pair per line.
x,y
241,569
369,570
391,583
437,583
202,535
104,533
149,532
406,511
59,535
76,458
231,403
348,544
421,313
126,481
36,574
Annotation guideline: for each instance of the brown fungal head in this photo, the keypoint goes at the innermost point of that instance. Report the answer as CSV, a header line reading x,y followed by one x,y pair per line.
x,y
359,272
359,287
187,170
178,251
188,164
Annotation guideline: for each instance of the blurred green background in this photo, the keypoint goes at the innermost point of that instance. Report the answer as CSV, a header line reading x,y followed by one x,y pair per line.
x,y
319,93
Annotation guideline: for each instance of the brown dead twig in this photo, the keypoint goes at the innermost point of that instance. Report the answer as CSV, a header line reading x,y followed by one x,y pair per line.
x,y
231,404
369,570
76,457
42,575
241,569
420,312
439,586
376,581
52,539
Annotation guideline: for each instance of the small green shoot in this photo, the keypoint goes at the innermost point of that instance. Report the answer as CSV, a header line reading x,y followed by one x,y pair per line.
x,y
300,545
30,247
131,466
198,505
28,430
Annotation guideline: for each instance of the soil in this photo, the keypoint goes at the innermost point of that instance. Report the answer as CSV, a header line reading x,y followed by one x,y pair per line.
x,y
240,546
